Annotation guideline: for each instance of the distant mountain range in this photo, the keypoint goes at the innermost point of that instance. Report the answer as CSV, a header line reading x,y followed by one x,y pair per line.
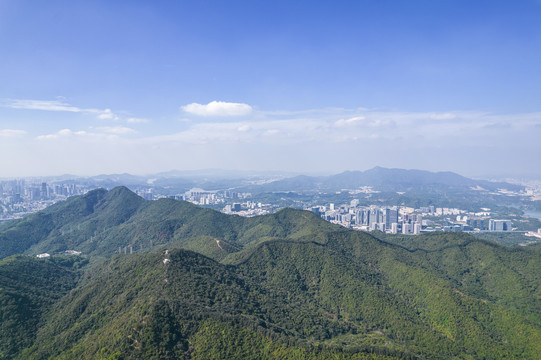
x,y
166,279
379,178
383,179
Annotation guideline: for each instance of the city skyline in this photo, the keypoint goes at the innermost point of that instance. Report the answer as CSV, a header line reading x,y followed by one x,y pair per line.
x,y
91,88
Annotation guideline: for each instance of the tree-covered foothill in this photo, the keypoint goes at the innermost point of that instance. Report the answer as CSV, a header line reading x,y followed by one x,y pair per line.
x,y
28,289
192,283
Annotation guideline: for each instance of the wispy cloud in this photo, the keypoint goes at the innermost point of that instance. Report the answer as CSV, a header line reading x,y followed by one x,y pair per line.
x,y
64,133
271,131
331,126
217,109
40,105
349,122
442,116
118,130
11,133
56,105
107,114
67,134
315,139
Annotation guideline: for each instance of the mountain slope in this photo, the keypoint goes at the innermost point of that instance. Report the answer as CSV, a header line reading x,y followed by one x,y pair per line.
x,y
291,296
101,223
28,288
67,224
288,285
140,307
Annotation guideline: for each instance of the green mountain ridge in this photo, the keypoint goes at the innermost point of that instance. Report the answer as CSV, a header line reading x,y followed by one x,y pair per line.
x,y
205,285
101,222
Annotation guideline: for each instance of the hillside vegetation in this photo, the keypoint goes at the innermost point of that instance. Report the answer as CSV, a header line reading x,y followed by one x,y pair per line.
x,y
203,285
28,289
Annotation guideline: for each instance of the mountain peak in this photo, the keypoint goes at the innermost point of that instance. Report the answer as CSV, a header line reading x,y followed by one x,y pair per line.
x,y
120,191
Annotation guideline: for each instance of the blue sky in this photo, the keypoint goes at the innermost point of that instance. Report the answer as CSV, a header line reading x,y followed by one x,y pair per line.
x,y
88,87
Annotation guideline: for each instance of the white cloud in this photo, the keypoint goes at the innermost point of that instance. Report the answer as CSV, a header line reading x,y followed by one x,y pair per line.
x,y
78,135
107,114
348,122
218,108
255,132
64,133
11,133
371,122
345,125
40,105
118,130
55,105
312,138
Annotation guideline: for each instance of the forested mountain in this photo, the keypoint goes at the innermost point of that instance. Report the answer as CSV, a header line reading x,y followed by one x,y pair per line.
x,y
203,285
28,288
101,222
383,179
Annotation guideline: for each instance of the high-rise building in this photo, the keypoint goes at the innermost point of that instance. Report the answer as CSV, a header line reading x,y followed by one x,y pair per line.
x,y
390,216
34,193
374,218
500,225
366,217
477,223
43,191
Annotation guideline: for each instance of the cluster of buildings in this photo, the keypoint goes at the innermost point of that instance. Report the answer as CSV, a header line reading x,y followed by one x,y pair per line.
x,y
15,191
238,203
20,197
406,220
248,209
202,197
197,196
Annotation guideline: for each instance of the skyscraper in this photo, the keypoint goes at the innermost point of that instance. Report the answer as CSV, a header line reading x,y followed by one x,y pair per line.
x,y
390,216
43,191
